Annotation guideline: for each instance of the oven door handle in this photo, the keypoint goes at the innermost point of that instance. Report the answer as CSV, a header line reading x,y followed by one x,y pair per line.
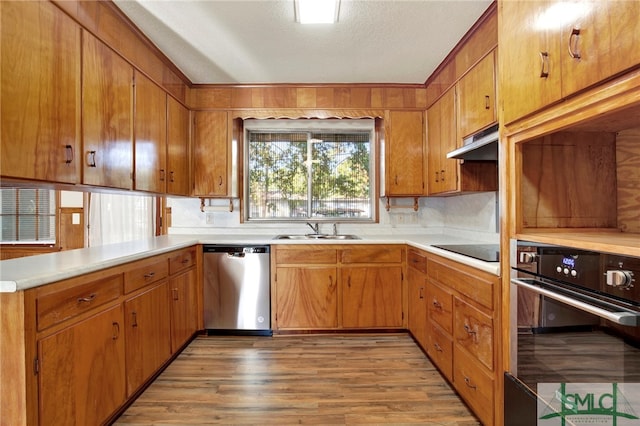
x,y
623,318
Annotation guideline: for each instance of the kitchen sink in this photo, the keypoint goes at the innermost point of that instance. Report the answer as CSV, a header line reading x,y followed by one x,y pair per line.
x,y
317,237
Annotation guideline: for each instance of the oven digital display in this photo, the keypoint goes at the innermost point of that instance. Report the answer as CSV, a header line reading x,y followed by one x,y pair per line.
x,y
569,261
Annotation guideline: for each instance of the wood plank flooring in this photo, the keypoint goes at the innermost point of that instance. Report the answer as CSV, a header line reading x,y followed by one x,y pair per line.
x,y
304,379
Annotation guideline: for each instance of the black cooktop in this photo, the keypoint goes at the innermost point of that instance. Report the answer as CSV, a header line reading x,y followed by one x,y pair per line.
x,y
486,252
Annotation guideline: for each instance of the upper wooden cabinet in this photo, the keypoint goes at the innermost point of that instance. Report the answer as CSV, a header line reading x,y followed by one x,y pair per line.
x,y
150,133
177,148
211,154
40,93
404,153
441,138
477,97
544,59
107,116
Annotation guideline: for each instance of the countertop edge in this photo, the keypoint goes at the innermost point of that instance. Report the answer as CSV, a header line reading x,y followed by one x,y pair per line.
x,y
18,274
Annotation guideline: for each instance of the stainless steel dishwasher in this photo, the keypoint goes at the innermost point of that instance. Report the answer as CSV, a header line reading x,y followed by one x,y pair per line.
x,y
237,295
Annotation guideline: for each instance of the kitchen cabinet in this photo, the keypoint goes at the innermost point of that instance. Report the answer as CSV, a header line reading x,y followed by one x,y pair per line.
x,y
177,148
338,286
147,334
543,61
477,97
417,295
107,116
150,131
462,337
404,153
211,154
184,297
441,139
40,93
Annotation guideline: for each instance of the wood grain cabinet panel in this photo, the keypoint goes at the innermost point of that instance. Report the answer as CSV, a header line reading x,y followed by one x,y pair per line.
x,y
107,116
404,153
40,70
182,260
475,386
374,254
177,148
150,132
440,306
147,327
211,150
306,297
81,376
417,305
296,255
372,297
145,272
473,331
477,97
440,350
184,302
442,138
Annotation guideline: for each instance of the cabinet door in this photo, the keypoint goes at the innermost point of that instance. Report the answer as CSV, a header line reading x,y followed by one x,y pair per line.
x,y
417,306
477,97
40,93
210,155
405,153
184,315
529,58
441,137
147,333
306,297
601,41
177,148
82,371
150,131
107,116
433,148
372,297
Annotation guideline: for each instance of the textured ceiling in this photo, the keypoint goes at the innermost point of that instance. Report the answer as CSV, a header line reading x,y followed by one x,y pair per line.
x,y
256,42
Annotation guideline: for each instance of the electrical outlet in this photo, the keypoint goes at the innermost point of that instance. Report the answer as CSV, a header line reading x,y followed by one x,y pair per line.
x,y
208,218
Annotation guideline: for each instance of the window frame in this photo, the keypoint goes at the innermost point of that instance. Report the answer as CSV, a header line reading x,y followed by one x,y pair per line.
x,y
331,125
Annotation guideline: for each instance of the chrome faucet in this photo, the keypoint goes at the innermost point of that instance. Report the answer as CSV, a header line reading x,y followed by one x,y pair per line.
x,y
316,227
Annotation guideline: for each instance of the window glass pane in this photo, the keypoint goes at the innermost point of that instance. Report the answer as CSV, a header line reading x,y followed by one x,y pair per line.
x,y
8,227
27,201
46,227
27,228
302,175
28,215
9,201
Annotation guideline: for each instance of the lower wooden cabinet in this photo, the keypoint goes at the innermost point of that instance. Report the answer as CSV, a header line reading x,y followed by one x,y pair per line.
x,y
78,349
344,286
81,371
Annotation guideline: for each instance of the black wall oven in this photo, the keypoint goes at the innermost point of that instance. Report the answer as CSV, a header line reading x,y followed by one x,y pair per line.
x,y
575,319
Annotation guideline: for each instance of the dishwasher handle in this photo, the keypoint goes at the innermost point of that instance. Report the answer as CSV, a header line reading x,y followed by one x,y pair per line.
x,y
236,254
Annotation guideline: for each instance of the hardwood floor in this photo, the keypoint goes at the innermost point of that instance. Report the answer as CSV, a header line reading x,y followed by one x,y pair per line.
x,y
309,379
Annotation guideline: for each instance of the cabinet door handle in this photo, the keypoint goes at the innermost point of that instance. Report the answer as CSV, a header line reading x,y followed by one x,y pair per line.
x,y
69,154
437,176
171,176
175,294
487,102
91,159
467,381
421,292
442,175
349,281
116,330
220,181
162,175
87,299
134,319
574,38
396,180
544,64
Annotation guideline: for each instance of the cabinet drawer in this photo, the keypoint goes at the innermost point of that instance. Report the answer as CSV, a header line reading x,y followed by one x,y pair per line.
x,y
439,306
473,331
475,284
440,350
474,385
145,272
377,254
184,259
59,306
307,256
417,260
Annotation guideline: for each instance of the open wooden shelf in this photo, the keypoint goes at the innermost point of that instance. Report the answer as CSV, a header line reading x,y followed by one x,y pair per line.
x,y
603,239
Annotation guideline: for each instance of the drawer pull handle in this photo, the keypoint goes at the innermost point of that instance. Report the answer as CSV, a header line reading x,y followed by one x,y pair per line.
x,y
87,299
470,331
149,275
185,261
437,346
437,305
467,381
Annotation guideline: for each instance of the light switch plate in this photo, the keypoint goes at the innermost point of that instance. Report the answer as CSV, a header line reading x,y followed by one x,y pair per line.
x,y
208,217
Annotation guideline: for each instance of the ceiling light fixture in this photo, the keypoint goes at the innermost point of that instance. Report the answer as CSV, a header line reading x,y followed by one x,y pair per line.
x,y
316,11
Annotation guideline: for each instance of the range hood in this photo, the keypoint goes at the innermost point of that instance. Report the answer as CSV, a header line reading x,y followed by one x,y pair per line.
x,y
483,146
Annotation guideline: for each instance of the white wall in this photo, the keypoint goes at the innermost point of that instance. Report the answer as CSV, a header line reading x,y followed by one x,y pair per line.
x,y
472,215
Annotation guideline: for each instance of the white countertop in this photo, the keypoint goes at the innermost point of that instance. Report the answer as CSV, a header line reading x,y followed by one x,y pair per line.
x,y
33,271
